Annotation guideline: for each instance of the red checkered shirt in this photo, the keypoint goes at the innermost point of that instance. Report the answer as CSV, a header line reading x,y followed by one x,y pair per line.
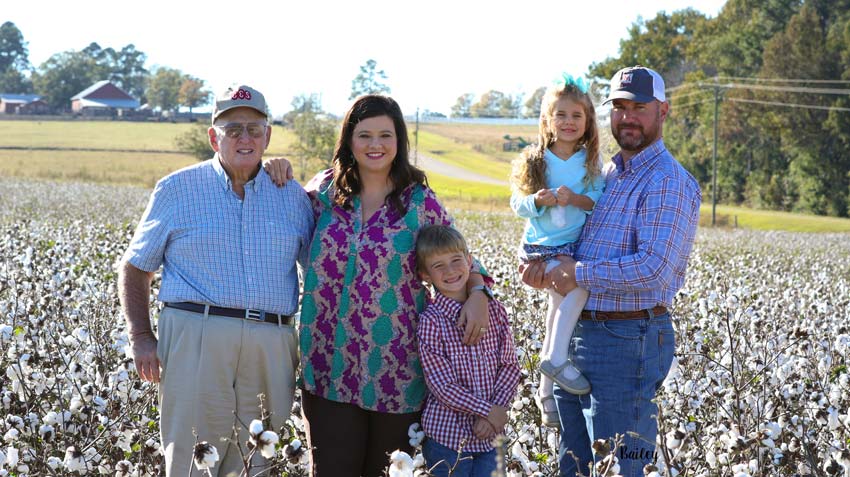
x,y
464,381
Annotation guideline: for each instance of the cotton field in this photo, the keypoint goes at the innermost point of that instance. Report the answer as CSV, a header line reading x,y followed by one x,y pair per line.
x,y
760,386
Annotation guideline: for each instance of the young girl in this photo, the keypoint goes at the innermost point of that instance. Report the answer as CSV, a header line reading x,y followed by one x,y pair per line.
x,y
556,183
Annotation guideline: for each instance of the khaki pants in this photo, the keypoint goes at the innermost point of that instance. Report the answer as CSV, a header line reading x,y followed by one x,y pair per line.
x,y
213,368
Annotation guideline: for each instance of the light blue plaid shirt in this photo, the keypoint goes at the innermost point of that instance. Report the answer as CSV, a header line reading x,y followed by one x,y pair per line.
x,y
217,249
634,249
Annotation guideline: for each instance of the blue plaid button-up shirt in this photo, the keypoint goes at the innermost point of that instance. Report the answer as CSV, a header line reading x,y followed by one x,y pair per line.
x,y
218,249
635,245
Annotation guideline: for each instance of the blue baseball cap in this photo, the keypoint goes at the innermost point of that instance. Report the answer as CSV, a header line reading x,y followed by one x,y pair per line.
x,y
636,83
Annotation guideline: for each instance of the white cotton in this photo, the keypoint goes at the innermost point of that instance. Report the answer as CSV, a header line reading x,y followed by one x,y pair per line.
x,y
256,427
266,442
205,455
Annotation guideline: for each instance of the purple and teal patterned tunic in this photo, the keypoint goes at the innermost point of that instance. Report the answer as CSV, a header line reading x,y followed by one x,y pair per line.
x,y
362,298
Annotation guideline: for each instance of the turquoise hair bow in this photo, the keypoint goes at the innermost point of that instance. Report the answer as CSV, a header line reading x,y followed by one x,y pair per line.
x,y
567,79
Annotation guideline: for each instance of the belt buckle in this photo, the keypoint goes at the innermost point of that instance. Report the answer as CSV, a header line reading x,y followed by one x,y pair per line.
x,y
255,315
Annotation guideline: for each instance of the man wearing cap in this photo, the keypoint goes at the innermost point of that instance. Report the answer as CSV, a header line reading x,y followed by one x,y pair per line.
x,y
632,259
228,242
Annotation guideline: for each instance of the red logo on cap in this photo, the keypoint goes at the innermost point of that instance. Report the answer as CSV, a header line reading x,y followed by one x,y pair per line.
x,y
241,94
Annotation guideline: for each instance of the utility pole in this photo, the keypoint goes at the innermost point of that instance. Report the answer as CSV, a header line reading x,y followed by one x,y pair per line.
x,y
416,140
714,161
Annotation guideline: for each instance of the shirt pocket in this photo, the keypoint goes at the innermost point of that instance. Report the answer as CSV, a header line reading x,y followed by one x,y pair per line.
x,y
476,368
281,244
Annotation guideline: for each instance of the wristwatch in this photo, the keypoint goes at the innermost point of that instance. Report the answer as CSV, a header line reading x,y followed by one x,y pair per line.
x,y
484,288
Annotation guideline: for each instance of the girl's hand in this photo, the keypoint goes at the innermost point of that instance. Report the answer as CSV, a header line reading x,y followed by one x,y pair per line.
x,y
280,170
564,195
545,197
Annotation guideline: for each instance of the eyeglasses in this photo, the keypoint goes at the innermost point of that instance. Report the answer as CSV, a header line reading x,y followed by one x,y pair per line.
x,y
235,130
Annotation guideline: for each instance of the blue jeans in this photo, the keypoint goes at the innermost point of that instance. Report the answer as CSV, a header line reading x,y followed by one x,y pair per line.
x,y
470,464
625,361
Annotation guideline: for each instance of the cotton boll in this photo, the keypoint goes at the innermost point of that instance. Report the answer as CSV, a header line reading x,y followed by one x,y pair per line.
x,y
256,427
205,455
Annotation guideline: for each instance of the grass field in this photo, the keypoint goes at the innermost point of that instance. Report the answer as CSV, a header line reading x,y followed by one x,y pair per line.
x,y
112,135
475,147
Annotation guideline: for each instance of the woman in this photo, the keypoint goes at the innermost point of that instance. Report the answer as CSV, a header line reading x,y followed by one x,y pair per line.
x,y
361,380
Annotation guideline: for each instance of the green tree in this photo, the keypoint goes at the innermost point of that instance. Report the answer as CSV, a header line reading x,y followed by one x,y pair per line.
x,y
14,60
192,93
164,89
316,132
819,160
64,75
13,81
129,72
369,81
660,43
195,142
492,104
13,48
463,105
532,105
304,103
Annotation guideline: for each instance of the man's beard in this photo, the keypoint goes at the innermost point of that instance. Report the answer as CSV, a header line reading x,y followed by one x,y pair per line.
x,y
639,141
633,142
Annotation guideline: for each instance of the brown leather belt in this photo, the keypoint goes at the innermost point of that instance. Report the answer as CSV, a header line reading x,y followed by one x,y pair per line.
x,y
252,315
622,315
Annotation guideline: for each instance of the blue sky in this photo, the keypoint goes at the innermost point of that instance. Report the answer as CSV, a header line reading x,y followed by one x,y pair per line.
x,y
431,52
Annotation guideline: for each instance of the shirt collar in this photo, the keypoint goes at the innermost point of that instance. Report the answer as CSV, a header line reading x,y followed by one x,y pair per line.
x,y
224,180
446,305
648,155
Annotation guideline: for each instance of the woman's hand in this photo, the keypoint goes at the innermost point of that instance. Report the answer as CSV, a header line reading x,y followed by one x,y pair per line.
x,y
279,169
474,318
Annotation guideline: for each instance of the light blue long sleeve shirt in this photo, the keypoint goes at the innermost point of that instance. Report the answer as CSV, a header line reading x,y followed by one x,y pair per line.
x,y
540,229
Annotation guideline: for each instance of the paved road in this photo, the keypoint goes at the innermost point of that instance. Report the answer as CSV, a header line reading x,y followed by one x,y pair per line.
x,y
431,164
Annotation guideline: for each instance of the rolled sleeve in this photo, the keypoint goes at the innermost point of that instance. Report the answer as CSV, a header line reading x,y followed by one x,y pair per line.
x,y
523,206
147,248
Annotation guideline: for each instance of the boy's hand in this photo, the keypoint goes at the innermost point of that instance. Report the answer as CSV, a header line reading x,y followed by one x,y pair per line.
x,y
545,197
498,417
483,429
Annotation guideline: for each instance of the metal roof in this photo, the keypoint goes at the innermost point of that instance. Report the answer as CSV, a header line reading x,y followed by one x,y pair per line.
x,y
110,103
19,98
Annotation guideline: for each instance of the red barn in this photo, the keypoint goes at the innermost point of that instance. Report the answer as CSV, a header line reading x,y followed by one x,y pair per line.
x,y
22,104
102,97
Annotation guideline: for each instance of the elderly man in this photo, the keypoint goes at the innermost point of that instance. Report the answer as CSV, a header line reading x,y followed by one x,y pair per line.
x,y
228,241
632,259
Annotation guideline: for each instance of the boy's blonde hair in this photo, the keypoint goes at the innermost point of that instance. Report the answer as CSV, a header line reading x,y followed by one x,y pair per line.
x,y
529,169
436,239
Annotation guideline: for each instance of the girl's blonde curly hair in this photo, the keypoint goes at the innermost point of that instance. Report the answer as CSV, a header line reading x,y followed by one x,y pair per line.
x,y
528,173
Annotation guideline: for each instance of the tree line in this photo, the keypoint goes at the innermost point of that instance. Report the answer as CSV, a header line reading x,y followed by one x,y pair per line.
x,y
69,72
780,70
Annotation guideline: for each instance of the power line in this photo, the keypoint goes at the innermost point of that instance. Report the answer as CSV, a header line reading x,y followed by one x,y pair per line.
x,y
781,80
789,89
790,105
694,103
784,89
692,93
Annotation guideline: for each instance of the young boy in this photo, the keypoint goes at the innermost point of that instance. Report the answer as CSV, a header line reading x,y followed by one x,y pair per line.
x,y
470,387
